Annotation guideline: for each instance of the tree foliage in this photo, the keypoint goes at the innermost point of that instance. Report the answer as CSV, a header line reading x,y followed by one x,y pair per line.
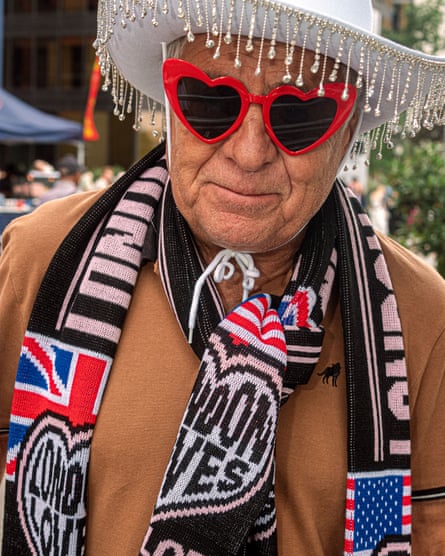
x,y
421,29
417,179
415,169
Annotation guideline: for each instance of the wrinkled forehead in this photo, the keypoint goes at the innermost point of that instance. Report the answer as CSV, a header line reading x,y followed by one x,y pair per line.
x,y
293,65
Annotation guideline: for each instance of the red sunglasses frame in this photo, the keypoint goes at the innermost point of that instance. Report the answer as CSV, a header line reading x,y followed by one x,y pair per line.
x,y
175,69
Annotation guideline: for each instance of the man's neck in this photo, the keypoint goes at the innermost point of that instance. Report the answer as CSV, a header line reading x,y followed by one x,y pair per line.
x,y
275,269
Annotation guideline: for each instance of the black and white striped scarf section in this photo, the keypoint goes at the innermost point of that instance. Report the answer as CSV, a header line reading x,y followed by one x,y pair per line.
x,y
75,328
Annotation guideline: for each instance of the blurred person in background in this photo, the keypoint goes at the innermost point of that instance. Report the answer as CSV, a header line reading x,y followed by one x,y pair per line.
x,y
378,209
12,181
105,178
67,184
357,187
41,175
6,178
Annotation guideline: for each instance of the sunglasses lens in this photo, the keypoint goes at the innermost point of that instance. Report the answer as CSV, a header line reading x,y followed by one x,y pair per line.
x,y
210,111
298,124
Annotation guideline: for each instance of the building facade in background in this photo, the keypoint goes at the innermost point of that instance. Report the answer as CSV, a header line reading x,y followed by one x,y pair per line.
x,y
48,60
391,13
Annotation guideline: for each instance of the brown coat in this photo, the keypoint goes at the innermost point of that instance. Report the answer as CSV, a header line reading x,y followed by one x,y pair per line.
x,y
153,374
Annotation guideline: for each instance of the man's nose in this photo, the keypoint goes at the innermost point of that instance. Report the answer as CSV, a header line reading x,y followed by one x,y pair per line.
x,y
250,145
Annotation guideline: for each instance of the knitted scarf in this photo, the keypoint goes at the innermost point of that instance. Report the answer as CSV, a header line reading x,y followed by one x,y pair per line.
x,y
217,497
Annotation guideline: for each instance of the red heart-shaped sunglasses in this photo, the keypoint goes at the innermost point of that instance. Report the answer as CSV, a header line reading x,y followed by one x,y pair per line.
x,y
213,109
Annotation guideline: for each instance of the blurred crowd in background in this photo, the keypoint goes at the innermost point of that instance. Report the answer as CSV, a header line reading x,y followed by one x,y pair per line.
x,y
45,181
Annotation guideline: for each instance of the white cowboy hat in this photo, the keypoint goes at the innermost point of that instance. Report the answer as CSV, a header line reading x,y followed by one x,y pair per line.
x,y
393,78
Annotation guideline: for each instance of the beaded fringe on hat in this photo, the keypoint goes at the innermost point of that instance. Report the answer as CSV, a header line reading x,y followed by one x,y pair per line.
x,y
404,85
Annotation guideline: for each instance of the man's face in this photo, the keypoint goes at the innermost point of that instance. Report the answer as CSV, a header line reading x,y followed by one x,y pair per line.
x,y
244,192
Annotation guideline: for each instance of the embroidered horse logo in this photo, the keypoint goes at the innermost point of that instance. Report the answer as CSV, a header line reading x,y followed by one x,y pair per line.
x,y
332,372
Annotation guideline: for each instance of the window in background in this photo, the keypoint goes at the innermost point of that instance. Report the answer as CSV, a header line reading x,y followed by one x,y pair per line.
x,y
18,6
71,63
21,63
46,63
73,5
47,5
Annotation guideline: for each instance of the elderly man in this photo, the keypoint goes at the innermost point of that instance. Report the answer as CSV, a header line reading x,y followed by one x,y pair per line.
x,y
218,355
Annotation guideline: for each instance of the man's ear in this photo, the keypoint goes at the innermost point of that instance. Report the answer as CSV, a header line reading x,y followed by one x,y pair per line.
x,y
353,123
349,135
350,130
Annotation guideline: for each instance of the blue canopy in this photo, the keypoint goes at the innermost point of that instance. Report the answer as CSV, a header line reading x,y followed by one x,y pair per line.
x,y
22,123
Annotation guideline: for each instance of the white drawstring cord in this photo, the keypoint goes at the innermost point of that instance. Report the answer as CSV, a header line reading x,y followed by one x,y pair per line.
x,y
223,269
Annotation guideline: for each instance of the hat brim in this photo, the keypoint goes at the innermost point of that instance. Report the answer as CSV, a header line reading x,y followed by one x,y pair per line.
x,y
395,77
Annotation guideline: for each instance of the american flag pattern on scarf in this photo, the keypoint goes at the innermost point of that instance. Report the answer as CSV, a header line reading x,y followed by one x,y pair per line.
x,y
67,356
